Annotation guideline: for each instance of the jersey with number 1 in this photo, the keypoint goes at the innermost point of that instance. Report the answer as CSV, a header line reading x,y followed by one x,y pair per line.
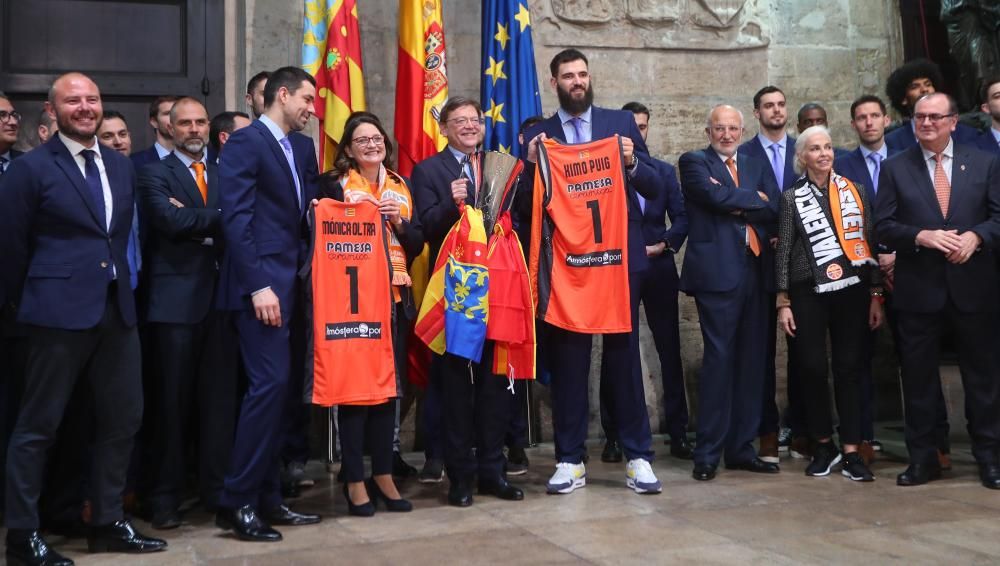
x,y
579,243
353,360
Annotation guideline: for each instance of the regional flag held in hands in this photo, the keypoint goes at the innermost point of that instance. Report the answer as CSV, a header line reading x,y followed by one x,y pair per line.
x,y
331,52
509,82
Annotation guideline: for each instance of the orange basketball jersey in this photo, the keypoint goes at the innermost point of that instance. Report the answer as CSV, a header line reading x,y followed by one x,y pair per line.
x,y
579,241
353,360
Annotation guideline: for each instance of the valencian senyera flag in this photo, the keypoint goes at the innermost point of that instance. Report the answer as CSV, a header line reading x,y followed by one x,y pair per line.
x,y
331,52
421,82
509,81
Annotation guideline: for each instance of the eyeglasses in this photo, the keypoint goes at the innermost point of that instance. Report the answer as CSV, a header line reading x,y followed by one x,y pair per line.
x,y
365,140
934,118
462,122
8,116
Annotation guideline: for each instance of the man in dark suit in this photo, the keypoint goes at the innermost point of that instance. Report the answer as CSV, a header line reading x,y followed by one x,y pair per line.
x,y
658,293
179,198
79,313
159,120
10,124
813,114
907,84
773,144
579,121
475,411
731,201
267,177
989,140
938,206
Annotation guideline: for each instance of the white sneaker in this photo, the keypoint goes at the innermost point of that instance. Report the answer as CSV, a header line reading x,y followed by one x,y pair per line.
x,y
567,478
639,477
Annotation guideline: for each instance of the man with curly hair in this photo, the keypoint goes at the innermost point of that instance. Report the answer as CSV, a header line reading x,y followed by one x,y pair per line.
x,y
904,87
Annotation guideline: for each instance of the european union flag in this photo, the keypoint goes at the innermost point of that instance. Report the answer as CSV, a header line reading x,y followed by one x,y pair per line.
x,y
510,85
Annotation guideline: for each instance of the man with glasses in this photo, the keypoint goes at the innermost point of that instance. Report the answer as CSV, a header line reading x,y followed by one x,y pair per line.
x,y
938,206
476,408
10,123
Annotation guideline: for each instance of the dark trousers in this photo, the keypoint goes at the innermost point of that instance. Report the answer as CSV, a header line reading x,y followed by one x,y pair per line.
x,y
569,356
476,412
252,477
844,314
795,414
108,356
920,349
13,356
517,426
195,379
769,417
432,417
295,424
358,424
733,367
658,293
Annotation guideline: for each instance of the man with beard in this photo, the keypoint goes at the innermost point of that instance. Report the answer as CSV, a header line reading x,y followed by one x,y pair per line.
x,y
179,199
773,145
579,121
267,178
114,133
159,120
46,127
255,93
907,84
990,139
10,123
80,316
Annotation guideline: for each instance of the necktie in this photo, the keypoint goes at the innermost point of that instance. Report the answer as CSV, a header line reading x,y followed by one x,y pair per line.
x,y
286,145
642,202
942,188
93,178
753,242
778,166
3,165
199,179
578,136
876,159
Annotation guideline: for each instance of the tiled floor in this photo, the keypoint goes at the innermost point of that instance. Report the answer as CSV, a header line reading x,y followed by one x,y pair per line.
x,y
740,518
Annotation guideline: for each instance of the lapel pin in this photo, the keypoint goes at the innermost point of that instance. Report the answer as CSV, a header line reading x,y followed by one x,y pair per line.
x,y
962,167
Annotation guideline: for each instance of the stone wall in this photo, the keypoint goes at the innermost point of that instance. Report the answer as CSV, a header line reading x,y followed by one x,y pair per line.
x,y
679,57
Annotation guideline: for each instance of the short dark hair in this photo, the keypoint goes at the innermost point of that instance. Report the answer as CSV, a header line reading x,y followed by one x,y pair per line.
x,y
343,162
224,122
760,94
807,107
900,79
636,108
952,103
291,78
566,56
456,102
529,122
112,114
984,90
46,119
256,79
865,99
154,106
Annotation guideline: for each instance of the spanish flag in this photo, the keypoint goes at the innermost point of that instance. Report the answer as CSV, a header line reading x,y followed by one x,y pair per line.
x,y
421,82
331,51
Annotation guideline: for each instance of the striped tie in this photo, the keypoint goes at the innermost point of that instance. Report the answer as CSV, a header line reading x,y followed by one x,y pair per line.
x,y
942,188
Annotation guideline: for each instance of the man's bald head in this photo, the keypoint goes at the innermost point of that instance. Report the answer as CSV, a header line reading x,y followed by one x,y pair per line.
x,y
725,129
75,101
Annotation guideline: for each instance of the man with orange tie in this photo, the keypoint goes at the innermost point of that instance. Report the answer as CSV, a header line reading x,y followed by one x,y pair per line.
x,y
732,207
193,370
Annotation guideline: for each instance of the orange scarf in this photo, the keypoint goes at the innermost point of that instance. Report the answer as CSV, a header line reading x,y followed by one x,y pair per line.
x,y
848,212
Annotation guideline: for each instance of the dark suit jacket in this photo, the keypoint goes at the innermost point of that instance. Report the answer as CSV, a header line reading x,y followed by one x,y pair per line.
x,y
266,238
986,142
56,253
716,249
605,123
902,137
144,157
906,204
670,203
180,270
431,186
753,148
853,166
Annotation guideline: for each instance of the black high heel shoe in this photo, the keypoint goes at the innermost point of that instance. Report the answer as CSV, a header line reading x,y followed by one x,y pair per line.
x,y
394,505
363,510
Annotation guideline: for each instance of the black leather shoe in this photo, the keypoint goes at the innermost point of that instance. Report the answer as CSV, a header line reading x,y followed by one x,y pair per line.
x,y
703,472
282,515
500,488
30,549
394,505
918,474
121,536
756,465
165,520
612,452
460,493
366,509
400,468
246,524
681,448
989,474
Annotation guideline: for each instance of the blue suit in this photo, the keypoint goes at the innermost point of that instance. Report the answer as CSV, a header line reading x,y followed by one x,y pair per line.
x,y
731,288
266,243
569,352
144,157
986,142
902,137
753,148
